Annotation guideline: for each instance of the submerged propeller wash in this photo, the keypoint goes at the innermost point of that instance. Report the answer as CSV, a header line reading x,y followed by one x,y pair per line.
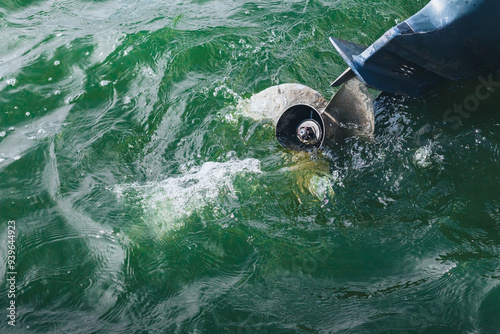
x,y
446,40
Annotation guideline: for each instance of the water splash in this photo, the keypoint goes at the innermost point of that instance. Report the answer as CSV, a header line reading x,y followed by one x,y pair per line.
x,y
166,203
425,156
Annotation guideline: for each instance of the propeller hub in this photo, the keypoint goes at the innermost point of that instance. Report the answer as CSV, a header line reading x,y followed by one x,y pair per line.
x,y
309,132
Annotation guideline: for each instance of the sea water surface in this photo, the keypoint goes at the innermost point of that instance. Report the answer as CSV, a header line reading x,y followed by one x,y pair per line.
x,y
145,200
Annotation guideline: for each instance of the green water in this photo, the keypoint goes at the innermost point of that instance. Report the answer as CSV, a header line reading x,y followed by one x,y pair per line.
x,y
145,201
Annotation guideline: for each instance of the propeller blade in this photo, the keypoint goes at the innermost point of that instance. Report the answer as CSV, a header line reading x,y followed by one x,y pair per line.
x,y
352,107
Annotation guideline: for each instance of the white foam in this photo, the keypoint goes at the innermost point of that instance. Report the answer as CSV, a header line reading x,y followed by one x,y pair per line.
x,y
425,157
166,203
422,156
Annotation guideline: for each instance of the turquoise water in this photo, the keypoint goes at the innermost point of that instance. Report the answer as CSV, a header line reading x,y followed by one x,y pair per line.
x,y
146,201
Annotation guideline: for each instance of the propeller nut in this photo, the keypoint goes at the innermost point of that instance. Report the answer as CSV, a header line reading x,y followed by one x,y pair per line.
x,y
309,132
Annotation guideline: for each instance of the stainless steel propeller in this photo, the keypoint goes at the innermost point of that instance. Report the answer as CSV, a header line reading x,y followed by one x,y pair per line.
x,y
305,120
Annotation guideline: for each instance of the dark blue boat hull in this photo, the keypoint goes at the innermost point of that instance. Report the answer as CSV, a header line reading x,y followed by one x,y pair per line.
x,y
446,40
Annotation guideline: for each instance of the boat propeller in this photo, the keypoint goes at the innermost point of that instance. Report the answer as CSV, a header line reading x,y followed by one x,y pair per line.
x,y
305,120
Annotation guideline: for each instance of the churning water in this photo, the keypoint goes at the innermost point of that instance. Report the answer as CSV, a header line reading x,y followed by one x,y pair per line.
x,y
146,199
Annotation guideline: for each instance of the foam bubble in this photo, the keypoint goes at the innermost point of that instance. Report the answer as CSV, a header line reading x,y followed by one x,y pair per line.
x,y
226,92
425,157
166,203
104,83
